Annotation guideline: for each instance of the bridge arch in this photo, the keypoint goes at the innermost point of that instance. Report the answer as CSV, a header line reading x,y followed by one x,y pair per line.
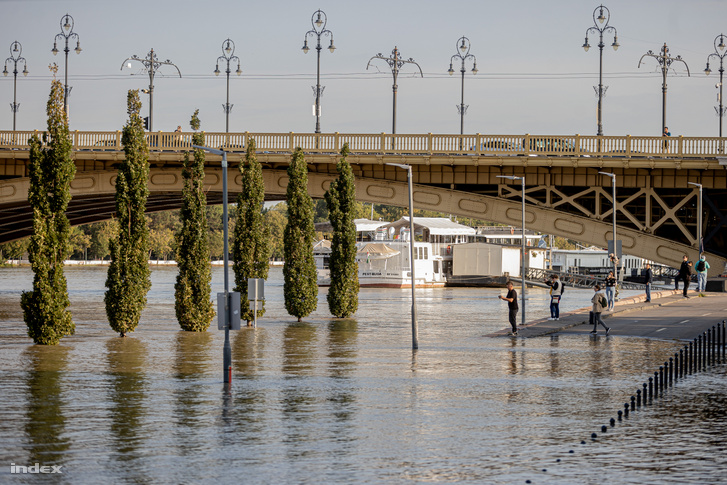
x,y
93,200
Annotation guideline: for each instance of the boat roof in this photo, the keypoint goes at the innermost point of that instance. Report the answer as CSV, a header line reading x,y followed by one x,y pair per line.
x,y
437,226
362,225
377,248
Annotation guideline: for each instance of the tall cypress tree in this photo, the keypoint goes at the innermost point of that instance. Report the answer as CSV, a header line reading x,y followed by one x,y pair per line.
x,y
251,247
341,200
300,287
192,302
51,171
128,279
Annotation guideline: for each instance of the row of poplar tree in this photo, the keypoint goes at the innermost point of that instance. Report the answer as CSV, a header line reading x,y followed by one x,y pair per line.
x,y
51,170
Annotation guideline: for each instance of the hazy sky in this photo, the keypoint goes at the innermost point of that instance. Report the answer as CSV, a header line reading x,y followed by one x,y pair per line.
x,y
534,77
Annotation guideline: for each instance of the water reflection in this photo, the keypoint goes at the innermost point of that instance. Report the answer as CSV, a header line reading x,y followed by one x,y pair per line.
x,y
342,354
126,361
248,345
46,422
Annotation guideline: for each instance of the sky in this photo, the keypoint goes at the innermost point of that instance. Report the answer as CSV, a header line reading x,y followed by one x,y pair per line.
x,y
534,77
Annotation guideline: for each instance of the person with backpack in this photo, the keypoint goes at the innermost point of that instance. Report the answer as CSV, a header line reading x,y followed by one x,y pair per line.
x,y
599,304
610,285
556,293
701,267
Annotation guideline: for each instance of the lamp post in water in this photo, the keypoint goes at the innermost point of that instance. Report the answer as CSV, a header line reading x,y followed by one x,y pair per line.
x,y
615,242
414,324
522,255
227,350
15,50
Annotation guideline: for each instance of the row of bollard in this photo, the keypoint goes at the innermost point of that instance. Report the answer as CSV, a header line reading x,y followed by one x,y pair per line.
x,y
704,351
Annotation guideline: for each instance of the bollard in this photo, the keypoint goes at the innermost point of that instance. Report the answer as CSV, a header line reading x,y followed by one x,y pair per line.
x,y
633,403
626,409
638,397
620,414
676,367
690,359
723,344
651,388
699,353
708,348
612,422
681,363
661,381
643,393
671,370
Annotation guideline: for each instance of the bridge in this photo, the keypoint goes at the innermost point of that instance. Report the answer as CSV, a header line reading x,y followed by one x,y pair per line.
x,y
656,207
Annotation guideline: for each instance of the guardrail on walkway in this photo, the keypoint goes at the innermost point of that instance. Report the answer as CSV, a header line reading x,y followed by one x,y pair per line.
x,y
407,144
579,280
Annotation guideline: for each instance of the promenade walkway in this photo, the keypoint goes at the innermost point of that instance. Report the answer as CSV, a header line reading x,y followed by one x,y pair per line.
x,y
668,316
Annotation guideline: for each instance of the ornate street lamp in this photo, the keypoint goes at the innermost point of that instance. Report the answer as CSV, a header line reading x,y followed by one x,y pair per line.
x,y
463,45
318,20
719,53
395,62
601,26
228,54
15,50
151,65
66,34
665,61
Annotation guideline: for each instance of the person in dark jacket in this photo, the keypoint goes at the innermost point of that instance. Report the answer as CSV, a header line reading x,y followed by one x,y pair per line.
x,y
610,285
649,277
511,299
685,274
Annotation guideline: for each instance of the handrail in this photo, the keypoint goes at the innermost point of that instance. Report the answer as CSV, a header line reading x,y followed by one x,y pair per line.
x,y
428,144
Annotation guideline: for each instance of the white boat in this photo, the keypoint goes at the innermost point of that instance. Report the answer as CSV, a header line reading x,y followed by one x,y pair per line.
x,y
383,255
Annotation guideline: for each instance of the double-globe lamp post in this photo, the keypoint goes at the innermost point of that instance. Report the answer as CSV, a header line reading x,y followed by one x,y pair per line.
x,y
719,53
318,20
463,53
228,54
522,242
395,62
66,34
601,26
151,65
15,50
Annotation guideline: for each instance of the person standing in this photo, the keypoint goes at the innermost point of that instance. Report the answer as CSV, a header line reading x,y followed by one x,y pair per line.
x,y
511,299
556,293
701,267
610,285
685,274
649,277
599,303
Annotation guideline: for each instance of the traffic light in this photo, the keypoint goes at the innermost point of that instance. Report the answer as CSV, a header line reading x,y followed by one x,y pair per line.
x,y
146,123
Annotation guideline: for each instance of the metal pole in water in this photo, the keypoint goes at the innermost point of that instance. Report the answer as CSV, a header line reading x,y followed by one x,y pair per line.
x,y
638,397
671,370
651,388
644,393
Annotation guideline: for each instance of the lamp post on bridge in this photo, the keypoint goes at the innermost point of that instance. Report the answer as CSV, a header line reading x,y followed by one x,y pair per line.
x,y
318,20
615,241
522,242
414,323
665,61
228,54
66,33
719,53
15,50
151,65
395,62
463,45
600,90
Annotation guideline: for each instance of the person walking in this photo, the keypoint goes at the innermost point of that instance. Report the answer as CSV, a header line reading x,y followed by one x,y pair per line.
x,y
599,303
649,277
701,267
511,299
685,274
610,285
556,293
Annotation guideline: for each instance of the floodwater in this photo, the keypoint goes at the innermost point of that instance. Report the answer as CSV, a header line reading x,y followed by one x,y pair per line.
x,y
344,401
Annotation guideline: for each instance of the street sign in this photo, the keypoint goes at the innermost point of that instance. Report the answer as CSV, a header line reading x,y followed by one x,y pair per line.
x,y
234,310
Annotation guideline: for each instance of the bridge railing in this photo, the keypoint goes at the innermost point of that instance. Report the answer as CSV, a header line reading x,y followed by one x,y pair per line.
x,y
406,144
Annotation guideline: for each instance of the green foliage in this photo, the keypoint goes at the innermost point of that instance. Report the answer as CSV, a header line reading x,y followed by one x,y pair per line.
x,y
102,233
51,171
251,242
341,200
128,279
276,219
300,286
192,302
14,249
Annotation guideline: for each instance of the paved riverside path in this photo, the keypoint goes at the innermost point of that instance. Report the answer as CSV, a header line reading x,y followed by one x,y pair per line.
x,y
668,316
